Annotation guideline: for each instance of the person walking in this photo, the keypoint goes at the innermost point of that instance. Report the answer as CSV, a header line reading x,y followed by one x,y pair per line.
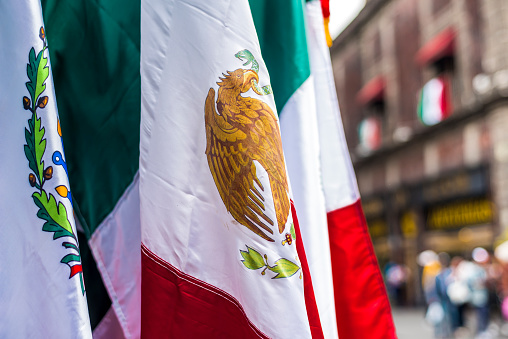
x,y
445,328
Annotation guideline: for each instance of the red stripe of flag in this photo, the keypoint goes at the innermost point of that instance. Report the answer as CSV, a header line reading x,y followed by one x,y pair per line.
x,y
177,305
362,306
310,299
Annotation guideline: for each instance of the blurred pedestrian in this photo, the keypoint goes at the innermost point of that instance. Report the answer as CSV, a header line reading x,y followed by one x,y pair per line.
x,y
501,254
435,314
478,283
429,261
396,277
458,292
445,328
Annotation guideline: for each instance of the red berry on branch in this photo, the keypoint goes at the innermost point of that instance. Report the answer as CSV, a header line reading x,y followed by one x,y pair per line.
x,y
26,103
48,173
31,179
43,101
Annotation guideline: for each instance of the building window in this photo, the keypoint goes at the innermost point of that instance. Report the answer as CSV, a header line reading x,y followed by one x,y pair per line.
x,y
436,96
370,129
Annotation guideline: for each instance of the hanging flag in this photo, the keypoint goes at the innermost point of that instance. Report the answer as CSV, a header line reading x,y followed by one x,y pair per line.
x,y
435,101
370,134
282,34
220,248
95,54
104,144
323,181
42,290
362,306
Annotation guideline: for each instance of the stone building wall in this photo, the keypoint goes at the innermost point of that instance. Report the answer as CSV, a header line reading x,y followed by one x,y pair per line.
x,y
385,41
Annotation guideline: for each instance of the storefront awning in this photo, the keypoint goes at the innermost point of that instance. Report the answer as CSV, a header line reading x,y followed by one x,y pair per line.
x,y
372,91
440,46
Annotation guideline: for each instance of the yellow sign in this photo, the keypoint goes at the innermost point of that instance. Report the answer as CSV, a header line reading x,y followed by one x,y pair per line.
x,y
378,228
373,208
449,187
458,214
408,224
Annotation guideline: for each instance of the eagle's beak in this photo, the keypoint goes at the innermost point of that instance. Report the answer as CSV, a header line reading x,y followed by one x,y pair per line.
x,y
248,76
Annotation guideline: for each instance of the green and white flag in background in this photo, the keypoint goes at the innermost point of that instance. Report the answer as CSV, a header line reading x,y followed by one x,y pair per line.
x,y
95,53
281,28
42,293
324,186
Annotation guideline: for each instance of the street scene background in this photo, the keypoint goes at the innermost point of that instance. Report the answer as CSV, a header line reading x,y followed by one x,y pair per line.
x,y
422,87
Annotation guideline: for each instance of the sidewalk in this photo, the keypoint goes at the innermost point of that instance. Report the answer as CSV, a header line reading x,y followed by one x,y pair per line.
x,y
410,324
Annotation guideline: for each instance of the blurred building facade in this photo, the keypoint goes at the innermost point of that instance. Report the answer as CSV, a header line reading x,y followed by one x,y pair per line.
x,y
423,92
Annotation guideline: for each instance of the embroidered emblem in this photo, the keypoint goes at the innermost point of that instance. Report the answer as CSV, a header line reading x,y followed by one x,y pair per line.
x,y
51,211
283,268
290,237
239,131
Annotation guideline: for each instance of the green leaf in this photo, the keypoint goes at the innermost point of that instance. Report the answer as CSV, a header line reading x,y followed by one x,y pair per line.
x,y
31,72
252,259
37,71
284,268
35,146
292,231
54,215
30,155
42,74
29,134
70,258
40,147
70,245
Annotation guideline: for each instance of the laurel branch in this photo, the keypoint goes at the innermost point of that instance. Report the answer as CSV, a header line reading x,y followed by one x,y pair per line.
x,y
52,212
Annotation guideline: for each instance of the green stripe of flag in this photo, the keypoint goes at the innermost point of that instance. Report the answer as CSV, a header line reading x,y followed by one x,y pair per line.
x,y
94,47
283,44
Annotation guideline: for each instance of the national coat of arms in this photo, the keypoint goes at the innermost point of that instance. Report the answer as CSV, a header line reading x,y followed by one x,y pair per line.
x,y
240,131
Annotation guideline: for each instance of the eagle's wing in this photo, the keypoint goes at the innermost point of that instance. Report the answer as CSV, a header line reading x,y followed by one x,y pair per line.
x,y
268,151
233,171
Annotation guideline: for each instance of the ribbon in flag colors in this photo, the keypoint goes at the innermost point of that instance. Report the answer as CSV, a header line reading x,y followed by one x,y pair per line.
x,y
94,49
42,291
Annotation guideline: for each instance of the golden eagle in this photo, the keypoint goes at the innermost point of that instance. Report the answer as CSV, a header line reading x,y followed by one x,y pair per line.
x,y
243,131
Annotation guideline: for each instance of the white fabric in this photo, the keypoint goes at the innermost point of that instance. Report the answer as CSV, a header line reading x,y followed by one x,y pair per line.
x,y
37,297
116,247
318,162
185,47
432,109
338,176
299,129
109,327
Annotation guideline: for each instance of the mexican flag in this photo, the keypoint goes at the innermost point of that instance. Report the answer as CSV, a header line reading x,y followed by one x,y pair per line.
x,y
362,305
281,27
42,292
95,53
221,250
435,101
338,246
98,82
